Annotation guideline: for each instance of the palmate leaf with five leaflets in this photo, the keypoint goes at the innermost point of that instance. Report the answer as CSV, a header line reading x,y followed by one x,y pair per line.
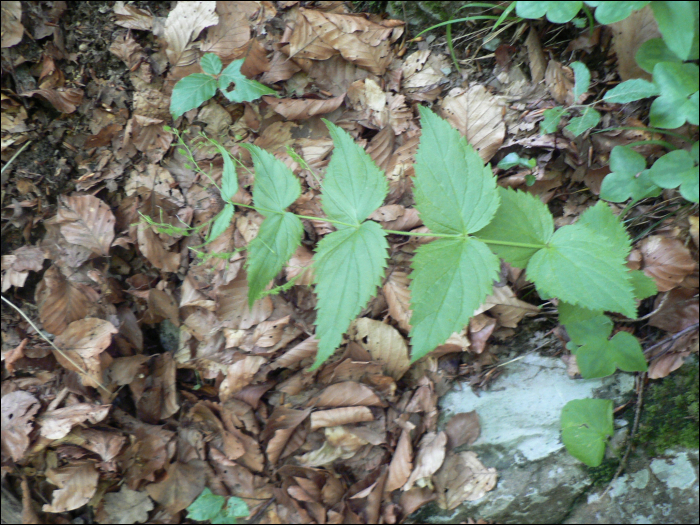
x,y
275,189
349,262
455,194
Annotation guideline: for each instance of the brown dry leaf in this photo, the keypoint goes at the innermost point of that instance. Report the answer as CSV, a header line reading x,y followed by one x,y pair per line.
x,y
280,426
381,147
401,464
694,229
398,297
239,375
87,221
480,329
416,74
56,424
478,116
340,416
153,249
60,301
268,333
233,308
463,478
348,393
132,17
412,500
384,343
628,36
667,363
679,310
183,25
431,454
65,100
357,39
301,109
560,83
181,485
83,342
231,33
538,62
76,484
462,429
304,350
665,260
16,267
12,28
18,410
127,506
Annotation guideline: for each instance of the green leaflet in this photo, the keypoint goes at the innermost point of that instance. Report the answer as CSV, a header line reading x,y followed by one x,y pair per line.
x,y
349,262
246,90
521,218
190,92
586,266
450,279
582,77
229,178
275,189
349,267
600,219
221,222
454,192
586,425
582,324
279,236
589,119
643,286
353,186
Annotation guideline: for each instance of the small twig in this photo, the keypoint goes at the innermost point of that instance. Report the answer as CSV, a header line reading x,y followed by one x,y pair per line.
x,y
67,358
637,414
670,340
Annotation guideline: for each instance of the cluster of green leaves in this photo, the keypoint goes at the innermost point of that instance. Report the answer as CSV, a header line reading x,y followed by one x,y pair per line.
x,y
217,509
193,90
630,178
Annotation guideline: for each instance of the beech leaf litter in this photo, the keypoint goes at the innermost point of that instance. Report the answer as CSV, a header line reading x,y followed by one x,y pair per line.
x,y
138,374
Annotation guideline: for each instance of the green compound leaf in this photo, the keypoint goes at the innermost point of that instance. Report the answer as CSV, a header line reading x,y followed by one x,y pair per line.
x,y
582,79
211,64
600,357
678,24
557,12
450,279
221,222
585,267
349,267
677,169
551,120
190,92
629,177
521,218
611,12
454,192
276,187
279,236
643,285
206,507
246,90
586,425
631,90
678,85
589,119
652,52
353,186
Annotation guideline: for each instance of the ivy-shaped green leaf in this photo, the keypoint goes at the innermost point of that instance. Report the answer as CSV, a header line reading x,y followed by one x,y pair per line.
x,y
600,356
582,79
678,23
652,52
678,102
586,425
629,177
349,262
557,12
674,169
275,189
521,218
246,90
455,194
611,12
631,90
552,116
585,267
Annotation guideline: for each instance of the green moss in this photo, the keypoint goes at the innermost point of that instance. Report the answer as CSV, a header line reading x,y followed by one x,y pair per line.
x,y
603,473
670,412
